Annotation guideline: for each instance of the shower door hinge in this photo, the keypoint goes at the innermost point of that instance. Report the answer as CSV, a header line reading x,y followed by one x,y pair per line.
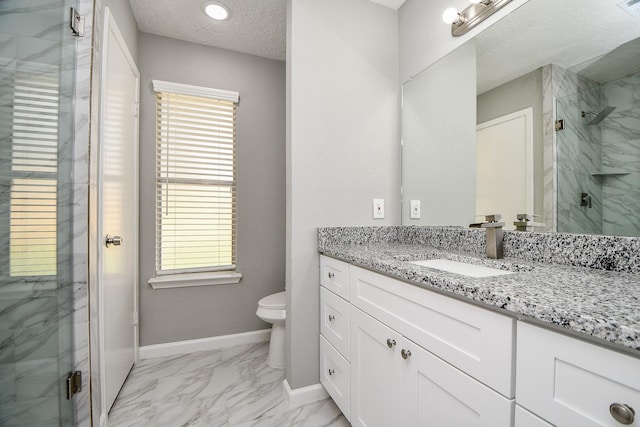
x,y
559,124
76,23
74,384
136,319
136,109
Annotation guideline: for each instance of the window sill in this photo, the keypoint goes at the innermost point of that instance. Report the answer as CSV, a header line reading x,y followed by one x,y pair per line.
x,y
195,279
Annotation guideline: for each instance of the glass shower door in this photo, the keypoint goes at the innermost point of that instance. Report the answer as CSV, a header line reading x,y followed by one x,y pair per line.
x,y
37,74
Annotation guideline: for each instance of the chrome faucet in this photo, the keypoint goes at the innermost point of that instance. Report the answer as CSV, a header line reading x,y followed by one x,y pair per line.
x,y
494,234
525,222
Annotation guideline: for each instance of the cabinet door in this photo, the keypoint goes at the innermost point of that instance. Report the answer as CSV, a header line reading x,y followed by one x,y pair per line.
x,y
335,376
570,382
376,370
437,394
334,275
334,321
525,418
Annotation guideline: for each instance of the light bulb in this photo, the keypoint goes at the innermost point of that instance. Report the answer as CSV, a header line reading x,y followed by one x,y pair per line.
x,y
451,16
216,11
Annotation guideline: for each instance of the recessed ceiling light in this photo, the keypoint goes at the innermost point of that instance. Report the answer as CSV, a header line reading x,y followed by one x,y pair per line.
x,y
216,11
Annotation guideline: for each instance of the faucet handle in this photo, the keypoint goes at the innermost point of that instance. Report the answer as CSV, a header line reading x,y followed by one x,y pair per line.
x,y
526,217
493,217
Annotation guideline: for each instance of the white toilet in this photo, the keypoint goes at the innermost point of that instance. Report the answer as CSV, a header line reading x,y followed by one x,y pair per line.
x,y
272,309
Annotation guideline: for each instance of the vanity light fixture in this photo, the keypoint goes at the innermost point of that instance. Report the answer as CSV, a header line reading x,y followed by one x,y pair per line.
x,y
452,16
472,15
216,11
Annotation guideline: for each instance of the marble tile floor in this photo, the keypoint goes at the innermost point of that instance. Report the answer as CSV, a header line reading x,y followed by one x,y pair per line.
x,y
232,387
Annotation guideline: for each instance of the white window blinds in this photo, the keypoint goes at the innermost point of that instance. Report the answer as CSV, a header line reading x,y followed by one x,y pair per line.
x,y
195,178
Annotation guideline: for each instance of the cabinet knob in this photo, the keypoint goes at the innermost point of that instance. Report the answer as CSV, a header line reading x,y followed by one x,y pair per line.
x,y
331,371
331,317
405,353
331,275
391,343
622,413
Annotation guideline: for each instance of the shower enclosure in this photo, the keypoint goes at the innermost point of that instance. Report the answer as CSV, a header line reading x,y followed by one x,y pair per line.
x,y
37,139
598,154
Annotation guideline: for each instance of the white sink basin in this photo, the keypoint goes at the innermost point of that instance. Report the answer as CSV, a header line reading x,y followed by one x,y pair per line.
x,y
464,269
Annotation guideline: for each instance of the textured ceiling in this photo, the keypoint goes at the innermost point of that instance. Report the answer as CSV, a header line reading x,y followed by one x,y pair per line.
x,y
566,32
393,4
256,27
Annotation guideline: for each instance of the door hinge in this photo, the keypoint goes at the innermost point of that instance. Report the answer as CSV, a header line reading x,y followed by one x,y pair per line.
x,y
74,384
135,318
136,109
559,125
76,23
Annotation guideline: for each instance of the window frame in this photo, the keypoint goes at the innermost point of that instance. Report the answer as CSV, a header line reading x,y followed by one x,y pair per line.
x,y
197,276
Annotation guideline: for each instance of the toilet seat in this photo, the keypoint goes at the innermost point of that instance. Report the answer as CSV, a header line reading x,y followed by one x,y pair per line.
x,y
273,302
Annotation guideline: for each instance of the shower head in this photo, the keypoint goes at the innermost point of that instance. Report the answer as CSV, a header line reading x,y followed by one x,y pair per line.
x,y
598,116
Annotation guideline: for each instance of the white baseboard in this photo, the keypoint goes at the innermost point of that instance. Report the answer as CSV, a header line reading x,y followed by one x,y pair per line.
x,y
203,344
303,395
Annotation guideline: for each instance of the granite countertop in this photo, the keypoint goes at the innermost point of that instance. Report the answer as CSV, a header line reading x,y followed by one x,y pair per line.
x,y
604,305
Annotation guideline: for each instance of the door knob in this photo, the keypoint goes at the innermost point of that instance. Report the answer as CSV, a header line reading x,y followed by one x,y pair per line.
x,y
115,240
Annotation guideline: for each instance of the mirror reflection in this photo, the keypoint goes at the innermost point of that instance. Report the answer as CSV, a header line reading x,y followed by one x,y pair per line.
x,y
534,70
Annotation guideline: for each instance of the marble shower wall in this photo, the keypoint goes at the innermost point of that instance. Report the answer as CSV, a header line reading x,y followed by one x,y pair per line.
x,y
43,321
621,153
578,153
601,160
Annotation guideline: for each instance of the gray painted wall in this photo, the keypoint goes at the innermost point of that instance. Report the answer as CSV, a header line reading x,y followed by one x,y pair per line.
x,y
123,15
196,312
516,95
343,146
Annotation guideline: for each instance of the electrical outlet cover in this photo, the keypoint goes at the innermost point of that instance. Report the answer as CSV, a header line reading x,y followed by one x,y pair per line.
x,y
378,208
415,209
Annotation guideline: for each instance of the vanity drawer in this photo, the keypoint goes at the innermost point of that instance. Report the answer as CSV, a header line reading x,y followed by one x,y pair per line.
x,y
570,382
335,376
525,418
475,340
334,275
334,321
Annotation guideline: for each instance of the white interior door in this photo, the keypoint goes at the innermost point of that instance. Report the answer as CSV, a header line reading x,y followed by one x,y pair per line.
x,y
504,166
118,212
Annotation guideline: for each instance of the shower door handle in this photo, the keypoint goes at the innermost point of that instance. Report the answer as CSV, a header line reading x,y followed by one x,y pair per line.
x,y
115,240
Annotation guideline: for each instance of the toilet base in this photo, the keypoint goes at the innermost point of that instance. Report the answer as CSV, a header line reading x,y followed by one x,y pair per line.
x,y
276,346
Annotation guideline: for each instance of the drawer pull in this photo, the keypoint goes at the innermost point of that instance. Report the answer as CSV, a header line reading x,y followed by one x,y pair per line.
x,y
405,353
331,275
331,317
391,343
622,413
331,371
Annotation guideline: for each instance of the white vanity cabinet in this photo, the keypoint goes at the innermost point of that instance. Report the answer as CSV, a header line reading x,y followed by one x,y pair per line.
x,y
395,354
569,382
415,357
395,382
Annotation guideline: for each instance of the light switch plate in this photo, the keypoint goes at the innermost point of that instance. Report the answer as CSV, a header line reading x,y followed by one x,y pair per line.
x,y
378,208
415,209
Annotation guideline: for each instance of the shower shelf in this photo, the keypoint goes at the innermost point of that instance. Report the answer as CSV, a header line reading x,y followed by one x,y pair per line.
x,y
612,172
